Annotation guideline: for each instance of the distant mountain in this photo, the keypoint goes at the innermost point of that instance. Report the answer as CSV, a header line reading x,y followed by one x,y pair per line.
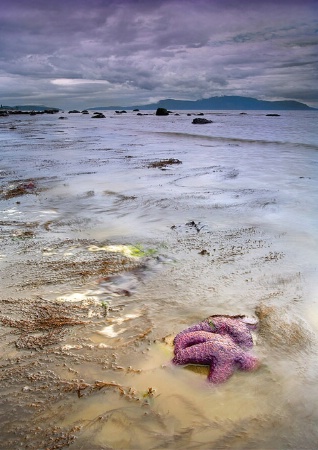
x,y
217,103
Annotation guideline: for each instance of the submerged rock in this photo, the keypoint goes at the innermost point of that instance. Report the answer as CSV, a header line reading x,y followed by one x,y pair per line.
x,y
280,331
198,120
98,116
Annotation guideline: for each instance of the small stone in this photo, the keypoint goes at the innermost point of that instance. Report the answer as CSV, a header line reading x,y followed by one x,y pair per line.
x,y
26,389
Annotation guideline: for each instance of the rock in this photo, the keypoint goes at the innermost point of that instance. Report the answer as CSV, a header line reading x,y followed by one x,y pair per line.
x,y
190,226
162,112
281,331
26,389
201,121
204,252
273,115
50,111
197,226
74,111
135,110
98,116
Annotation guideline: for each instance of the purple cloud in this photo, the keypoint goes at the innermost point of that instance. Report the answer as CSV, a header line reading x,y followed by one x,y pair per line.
x,y
77,53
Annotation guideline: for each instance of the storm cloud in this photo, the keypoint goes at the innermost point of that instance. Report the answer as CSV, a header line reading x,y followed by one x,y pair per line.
x,y
78,53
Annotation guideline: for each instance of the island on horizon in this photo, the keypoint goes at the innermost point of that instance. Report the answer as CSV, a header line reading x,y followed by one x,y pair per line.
x,y
212,104
218,103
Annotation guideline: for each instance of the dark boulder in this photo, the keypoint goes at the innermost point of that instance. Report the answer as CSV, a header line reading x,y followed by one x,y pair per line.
x,y
98,116
51,111
162,112
73,111
201,121
273,115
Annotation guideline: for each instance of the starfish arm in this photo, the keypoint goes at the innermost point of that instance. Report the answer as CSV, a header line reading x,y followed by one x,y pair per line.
x,y
196,354
235,328
247,362
202,326
203,353
220,371
192,338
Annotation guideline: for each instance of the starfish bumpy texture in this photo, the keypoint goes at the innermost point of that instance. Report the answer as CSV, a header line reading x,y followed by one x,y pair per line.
x,y
234,326
219,342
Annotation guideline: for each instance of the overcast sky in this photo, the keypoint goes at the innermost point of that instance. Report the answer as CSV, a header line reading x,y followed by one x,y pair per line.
x,y
86,53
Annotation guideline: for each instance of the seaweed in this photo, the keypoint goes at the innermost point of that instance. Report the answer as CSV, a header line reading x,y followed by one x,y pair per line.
x,y
163,163
46,325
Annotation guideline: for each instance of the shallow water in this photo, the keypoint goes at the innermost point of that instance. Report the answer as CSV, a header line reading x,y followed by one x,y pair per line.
x,y
249,183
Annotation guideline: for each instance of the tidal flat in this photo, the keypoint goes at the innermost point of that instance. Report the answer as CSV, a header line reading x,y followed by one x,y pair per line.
x,y
118,233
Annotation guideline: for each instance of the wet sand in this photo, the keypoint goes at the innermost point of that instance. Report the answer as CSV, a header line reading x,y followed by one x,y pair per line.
x,y
106,255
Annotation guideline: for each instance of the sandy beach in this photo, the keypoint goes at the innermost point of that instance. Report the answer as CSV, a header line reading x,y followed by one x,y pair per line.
x,y
118,233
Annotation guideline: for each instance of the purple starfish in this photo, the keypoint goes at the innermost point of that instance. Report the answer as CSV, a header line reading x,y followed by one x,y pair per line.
x,y
192,338
237,327
219,352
